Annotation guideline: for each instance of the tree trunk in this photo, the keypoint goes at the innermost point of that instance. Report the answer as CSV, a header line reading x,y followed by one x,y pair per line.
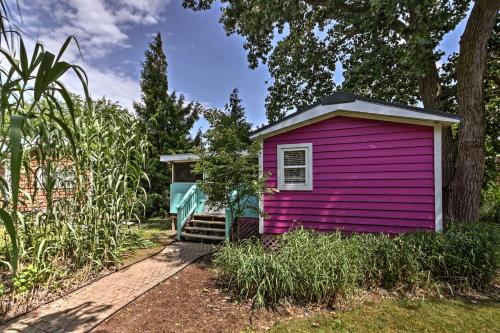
x,y
449,150
465,187
429,85
431,93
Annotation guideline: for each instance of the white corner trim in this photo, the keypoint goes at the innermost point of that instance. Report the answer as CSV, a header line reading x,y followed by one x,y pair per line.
x,y
261,198
359,109
280,149
438,180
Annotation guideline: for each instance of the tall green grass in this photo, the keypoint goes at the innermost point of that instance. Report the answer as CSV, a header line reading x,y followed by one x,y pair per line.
x,y
309,267
85,228
94,151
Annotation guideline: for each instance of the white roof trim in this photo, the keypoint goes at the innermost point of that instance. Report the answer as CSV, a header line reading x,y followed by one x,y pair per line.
x,y
189,157
178,158
357,108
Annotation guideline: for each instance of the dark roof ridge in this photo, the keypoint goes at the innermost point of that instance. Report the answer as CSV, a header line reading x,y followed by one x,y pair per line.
x,y
347,97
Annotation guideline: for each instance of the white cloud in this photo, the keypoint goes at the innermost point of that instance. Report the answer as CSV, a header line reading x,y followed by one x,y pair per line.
x,y
114,86
101,27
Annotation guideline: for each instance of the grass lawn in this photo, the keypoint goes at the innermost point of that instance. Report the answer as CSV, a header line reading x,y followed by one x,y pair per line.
x,y
404,316
157,234
156,230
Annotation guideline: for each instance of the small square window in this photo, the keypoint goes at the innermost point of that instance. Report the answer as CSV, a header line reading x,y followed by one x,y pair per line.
x,y
295,167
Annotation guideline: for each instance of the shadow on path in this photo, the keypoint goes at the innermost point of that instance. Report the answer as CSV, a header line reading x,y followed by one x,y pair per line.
x,y
182,252
62,321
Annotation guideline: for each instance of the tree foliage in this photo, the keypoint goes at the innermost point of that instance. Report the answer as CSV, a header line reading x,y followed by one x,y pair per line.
x,y
382,46
228,160
386,49
168,119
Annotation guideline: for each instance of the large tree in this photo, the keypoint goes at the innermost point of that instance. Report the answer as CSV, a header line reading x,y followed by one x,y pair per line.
x,y
387,49
168,119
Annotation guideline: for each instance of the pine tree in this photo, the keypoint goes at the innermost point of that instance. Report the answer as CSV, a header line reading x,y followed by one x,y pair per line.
x,y
168,121
198,139
236,113
154,83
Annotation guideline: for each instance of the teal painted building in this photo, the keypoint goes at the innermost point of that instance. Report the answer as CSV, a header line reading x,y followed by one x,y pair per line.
x,y
187,202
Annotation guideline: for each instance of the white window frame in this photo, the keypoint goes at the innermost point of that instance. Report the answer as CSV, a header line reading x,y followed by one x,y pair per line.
x,y
308,148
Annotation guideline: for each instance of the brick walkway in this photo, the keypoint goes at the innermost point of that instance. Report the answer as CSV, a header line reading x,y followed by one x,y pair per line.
x,y
83,309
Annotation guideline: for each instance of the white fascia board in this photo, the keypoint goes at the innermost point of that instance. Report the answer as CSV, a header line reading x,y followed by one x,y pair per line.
x,y
302,118
357,108
393,111
178,158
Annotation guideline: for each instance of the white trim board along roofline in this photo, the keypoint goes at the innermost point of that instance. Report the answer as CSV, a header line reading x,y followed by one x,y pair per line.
x,y
345,104
179,158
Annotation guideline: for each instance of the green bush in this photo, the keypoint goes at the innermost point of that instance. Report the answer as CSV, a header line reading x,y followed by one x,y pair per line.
x,y
28,278
490,203
311,267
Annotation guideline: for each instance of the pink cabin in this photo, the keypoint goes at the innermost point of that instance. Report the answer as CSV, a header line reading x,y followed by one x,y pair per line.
x,y
354,164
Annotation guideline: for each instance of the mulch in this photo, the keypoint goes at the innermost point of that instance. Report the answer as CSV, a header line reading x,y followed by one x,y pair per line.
x,y
191,301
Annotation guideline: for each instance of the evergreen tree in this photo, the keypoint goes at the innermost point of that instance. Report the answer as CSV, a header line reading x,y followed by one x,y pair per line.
x,y
168,121
198,139
236,116
154,83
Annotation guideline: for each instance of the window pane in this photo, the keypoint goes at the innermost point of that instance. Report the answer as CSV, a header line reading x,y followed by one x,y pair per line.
x,y
294,157
183,173
295,176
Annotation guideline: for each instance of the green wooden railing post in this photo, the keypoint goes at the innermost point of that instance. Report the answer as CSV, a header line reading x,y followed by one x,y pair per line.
x,y
186,207
229,222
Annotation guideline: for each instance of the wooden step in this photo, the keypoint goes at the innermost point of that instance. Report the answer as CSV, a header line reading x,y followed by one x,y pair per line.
x,y
209,237
210,217
205,229
208,222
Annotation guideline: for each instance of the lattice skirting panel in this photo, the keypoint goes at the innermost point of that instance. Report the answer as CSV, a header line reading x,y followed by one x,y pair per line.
x,y
270,241
246,228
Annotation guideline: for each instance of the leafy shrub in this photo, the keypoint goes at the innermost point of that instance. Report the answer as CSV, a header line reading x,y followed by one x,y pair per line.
x,y
490,203
27,279
156,203
312,267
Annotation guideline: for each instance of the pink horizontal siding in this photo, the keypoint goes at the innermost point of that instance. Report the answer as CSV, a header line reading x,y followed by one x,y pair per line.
x,y
368,176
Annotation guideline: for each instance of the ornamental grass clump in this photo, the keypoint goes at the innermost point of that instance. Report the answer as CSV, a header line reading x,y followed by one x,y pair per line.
x,y
308,267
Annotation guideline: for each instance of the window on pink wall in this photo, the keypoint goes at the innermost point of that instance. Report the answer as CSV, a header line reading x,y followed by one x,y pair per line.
x,y
295,167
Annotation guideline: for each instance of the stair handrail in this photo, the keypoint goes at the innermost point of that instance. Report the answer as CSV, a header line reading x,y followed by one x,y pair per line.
x,y
229,219
186,208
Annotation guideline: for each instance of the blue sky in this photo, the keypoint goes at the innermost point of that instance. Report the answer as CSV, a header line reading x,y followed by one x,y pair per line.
x,y
204,63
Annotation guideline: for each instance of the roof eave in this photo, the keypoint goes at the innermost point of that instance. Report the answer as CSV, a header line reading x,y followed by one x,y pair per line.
x,y
178,158
357,108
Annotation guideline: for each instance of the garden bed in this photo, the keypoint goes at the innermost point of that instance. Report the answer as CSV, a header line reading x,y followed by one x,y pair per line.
x,y
153,237
313,268
191,301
